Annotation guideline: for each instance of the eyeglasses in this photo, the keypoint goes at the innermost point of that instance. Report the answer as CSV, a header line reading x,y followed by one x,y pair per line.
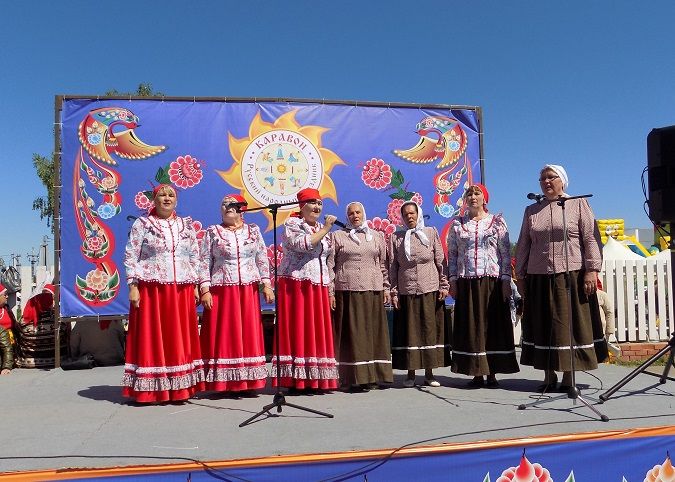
x,y
548,178
315,202
238,207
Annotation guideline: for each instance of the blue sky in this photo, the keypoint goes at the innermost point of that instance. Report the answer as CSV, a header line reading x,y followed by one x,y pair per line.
x,y
575,83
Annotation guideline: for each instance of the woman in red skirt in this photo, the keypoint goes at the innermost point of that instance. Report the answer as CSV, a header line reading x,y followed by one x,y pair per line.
x,y
163,360
234,260
306,352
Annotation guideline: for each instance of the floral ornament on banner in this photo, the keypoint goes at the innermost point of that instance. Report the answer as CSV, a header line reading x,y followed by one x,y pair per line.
x,y
383,225
442,139
527,472
664,472
185,173
94,167
376,174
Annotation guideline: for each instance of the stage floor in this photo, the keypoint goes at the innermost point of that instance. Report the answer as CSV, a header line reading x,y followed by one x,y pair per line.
x,y
56,419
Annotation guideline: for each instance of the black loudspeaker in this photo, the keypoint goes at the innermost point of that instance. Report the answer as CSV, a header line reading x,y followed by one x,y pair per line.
x,y
661,168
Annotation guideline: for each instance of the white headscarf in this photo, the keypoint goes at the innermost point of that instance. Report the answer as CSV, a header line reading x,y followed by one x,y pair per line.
x,y
560,171
364,224
418,229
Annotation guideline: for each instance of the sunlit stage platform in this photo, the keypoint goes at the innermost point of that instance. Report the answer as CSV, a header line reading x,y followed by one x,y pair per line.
x,y
60,425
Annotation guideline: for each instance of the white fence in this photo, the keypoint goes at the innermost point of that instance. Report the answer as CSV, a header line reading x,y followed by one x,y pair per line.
x,y
643,298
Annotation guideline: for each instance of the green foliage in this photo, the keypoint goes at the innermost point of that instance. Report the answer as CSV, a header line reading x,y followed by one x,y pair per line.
x,y
45,169
144,89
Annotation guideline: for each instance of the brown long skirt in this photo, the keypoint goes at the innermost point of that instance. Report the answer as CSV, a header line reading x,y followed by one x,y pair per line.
x,y
482,332
546,343
421,336
362,338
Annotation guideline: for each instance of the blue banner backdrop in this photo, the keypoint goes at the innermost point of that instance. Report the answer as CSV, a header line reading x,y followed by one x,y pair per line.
x,y
114,152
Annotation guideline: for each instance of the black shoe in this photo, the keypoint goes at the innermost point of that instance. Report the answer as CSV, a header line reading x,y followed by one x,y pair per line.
x,y
475,382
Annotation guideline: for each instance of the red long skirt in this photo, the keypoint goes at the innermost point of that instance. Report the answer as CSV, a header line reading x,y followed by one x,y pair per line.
x,y
163,359
232,340
306,346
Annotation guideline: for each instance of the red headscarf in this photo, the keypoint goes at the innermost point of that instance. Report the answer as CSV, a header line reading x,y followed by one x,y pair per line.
x,y
156,190
304,195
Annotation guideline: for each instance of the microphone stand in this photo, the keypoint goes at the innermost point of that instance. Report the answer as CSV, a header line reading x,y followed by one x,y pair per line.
x,y
279,400
573,393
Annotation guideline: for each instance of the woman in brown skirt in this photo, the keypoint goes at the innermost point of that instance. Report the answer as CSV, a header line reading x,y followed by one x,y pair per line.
x,y
479,274
359,291
418,289
540,270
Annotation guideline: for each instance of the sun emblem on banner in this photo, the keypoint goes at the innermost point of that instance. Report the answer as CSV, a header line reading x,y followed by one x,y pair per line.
x,y
279,159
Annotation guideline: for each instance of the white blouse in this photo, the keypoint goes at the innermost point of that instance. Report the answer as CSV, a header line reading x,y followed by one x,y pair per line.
x,y
233,257
479,248
301,260
162,250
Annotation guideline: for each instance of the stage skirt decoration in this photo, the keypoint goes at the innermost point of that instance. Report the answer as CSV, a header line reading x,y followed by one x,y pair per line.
x,y
163,359
306,352
232,341
421,335
546,329
362,338
482,331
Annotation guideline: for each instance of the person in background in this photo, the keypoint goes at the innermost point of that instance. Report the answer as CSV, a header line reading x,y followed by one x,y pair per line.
x,y
421,339
359,291
163,359
479,274
540,271
6,352
607,317
306,352
37,305
233,265
7,324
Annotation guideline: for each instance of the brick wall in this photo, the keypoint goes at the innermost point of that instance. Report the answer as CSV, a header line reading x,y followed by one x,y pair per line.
x,y
639,351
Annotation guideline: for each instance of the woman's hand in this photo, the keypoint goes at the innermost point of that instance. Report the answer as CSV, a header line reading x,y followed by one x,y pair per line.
x,y
207,300
387,299
331,298
590,282
268,294
5,371
442,295
506,289
520,284
452,288
394,302
134,296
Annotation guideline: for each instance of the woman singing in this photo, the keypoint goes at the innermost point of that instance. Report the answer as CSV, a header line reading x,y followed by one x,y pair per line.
x,y
234,263
418,289
358,268
479,267
163,360
540,270
306,352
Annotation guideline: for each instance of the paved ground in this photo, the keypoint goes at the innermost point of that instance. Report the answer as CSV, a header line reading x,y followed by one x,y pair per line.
x,y
59,419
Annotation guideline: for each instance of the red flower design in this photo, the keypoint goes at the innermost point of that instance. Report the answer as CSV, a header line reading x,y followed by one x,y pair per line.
x,y
270,257
525,472
142,201
394,212
94,243
185,172
198,229
382,225
417,197
376,174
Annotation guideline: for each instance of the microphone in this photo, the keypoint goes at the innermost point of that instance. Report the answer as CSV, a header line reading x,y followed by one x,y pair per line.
x,y
340,223
535,197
